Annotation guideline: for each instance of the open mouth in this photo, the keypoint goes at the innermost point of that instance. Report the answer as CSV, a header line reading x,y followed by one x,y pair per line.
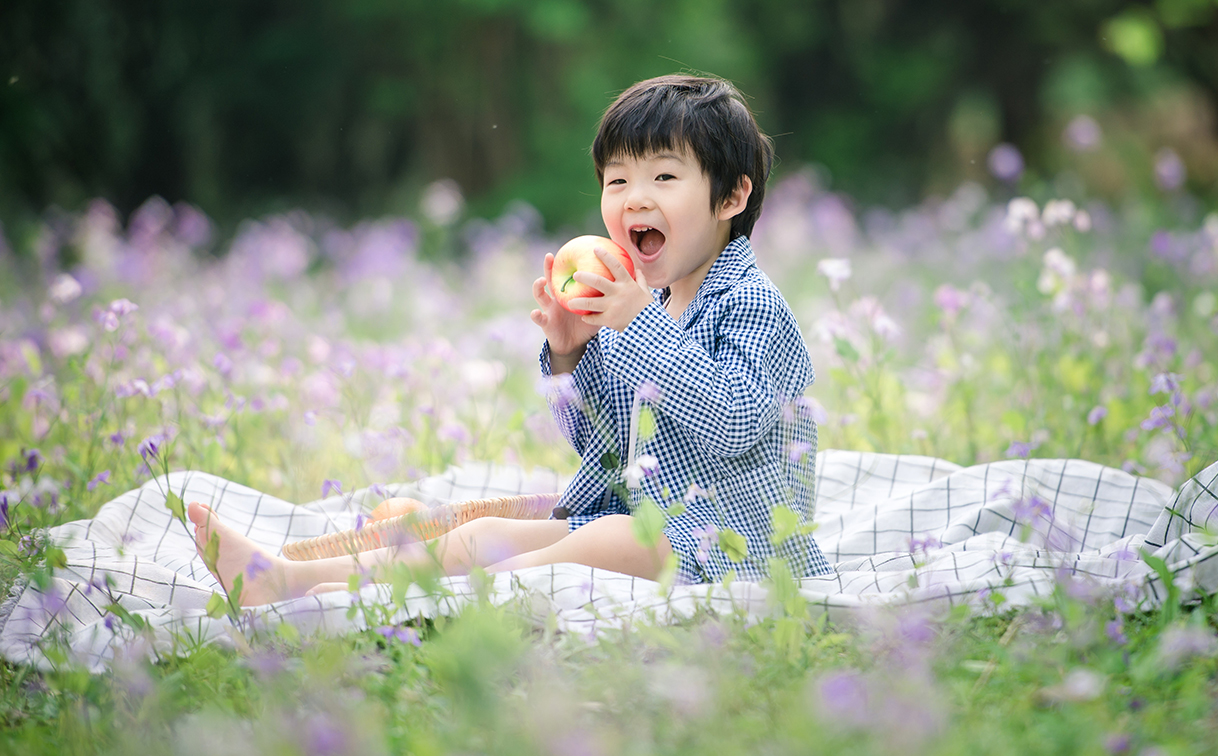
x,y
648,241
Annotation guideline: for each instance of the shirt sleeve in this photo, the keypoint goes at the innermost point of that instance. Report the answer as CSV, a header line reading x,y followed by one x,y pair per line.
x,y
570,413
729,399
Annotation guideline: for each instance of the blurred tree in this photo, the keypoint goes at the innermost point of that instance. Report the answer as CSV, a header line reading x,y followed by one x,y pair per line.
x,y
353,108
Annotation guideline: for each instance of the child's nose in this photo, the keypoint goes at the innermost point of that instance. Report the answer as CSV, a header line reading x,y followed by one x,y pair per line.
x,y
638,198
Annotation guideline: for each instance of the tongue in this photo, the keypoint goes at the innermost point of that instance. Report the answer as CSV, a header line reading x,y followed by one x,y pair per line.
x,y
651,242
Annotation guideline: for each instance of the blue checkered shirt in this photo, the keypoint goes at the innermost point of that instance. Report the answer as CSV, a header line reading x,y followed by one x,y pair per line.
x,y
729,438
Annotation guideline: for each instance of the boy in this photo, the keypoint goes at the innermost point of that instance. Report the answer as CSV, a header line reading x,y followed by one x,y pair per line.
x,y
715,348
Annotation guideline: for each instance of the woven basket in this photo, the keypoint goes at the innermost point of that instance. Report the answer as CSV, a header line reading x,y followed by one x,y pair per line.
x,y
420,526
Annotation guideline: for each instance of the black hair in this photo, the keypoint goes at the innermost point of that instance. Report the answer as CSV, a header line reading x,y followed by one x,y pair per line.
x,y
706,114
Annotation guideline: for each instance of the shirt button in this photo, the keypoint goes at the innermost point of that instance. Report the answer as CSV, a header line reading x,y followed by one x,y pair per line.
x,y
560,513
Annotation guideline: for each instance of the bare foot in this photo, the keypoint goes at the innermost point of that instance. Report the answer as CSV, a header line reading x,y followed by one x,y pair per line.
x,y
265,577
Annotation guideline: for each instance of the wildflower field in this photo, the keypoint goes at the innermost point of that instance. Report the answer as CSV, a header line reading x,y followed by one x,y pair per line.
x,y
301,357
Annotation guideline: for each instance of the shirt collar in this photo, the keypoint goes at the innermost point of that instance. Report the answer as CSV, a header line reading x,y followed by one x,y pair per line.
x,y
729,267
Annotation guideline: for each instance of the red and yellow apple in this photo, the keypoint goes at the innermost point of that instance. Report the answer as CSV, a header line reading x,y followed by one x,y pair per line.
x,y
579,254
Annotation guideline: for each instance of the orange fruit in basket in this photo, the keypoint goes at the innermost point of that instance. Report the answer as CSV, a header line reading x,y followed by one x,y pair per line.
x,y
399,505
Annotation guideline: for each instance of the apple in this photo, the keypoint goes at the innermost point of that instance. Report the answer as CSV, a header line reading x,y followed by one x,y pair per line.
x,y
396,506
578,254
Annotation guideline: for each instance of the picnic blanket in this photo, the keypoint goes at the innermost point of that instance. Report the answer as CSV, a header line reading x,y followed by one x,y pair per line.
x,y
896,528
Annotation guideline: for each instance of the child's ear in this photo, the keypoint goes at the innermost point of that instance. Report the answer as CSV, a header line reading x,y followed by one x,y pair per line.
x,y
737,200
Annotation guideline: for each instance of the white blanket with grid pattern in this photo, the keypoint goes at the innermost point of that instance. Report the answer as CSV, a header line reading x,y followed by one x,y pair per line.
x,y
896,529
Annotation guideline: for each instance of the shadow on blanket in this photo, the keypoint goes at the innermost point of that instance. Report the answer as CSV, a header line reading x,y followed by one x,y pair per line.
x,y
895,528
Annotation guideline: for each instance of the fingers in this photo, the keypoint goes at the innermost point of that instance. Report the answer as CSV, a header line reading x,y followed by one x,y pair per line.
x,y
612,262
540,294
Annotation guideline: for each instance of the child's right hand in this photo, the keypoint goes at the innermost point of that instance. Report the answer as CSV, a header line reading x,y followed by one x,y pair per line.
x,y
566,331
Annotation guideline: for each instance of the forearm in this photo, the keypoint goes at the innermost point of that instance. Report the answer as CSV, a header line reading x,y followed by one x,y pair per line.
x,y
566,363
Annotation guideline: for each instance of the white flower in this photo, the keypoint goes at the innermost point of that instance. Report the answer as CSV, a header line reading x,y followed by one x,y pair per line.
x,y
64,289
1021,211
644,467
1058,212
836,269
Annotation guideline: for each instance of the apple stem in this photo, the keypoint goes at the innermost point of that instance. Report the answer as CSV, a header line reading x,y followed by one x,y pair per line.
x,y
563,288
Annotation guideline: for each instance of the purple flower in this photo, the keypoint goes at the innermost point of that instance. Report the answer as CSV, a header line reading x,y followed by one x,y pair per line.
x,y
798,450
844,697
1180,643
222,363
361,519
1115,630
1006,163
649,391
1117,743
323,737
51,601
1096,415
102,478
950,299
924,545
1031,508
328,485
402,633
560,390
1165,383
3,512
109,622
151,446
117,438
33,459
121,307
1160,417
266,663
106,319
259,564
1019,449
1170,172
1082,134
708,537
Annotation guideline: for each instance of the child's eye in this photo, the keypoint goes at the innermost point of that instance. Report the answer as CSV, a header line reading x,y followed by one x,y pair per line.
x,y
665,177
616,181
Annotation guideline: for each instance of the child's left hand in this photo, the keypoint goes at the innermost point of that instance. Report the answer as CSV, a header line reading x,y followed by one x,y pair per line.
x,y
624,297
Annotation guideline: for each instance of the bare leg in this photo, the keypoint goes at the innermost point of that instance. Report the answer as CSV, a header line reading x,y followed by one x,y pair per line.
x,y
269,577
607,543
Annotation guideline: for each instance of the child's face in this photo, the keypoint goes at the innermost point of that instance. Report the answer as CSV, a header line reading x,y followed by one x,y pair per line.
x,y
658,208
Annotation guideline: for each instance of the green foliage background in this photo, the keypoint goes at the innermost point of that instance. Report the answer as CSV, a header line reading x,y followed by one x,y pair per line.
x,y
352,107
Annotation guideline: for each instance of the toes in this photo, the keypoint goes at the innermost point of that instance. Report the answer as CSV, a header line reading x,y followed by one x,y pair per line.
x,y
198,513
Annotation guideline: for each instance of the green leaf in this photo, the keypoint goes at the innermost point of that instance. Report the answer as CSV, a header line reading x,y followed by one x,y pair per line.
x,y
786,524
174,504
56,558
1171,604
30,353
234,595
217,606
648,523
288,632
211,552
609,461
733,544
788,636
8,548
845,349
647,424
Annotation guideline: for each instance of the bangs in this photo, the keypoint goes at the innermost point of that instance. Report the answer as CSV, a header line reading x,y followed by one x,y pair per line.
x,y
657,125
